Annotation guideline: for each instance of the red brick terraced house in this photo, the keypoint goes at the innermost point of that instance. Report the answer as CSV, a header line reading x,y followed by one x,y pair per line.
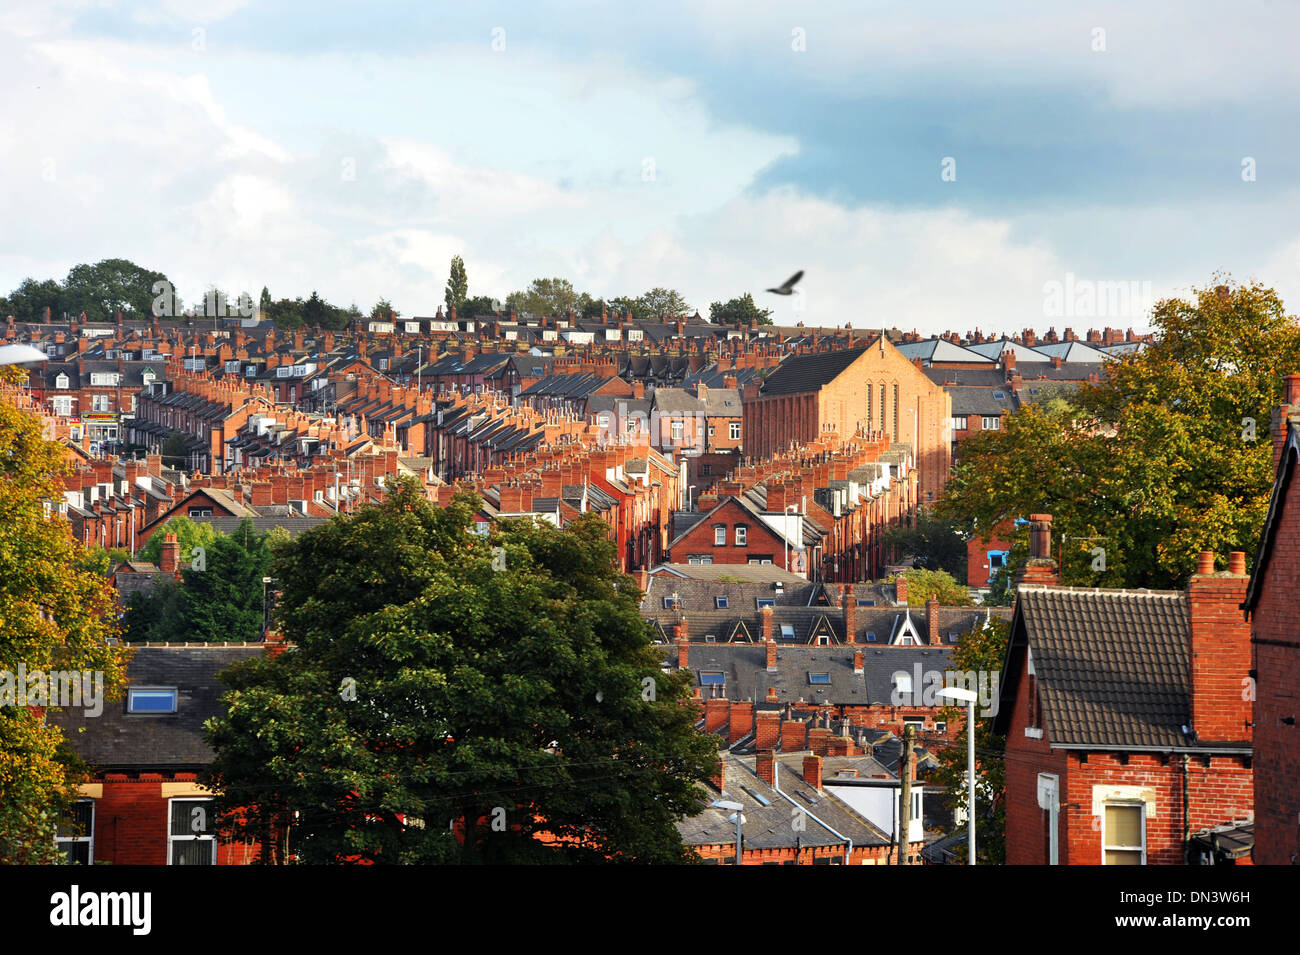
x,y
1276,642
1128,731
143,805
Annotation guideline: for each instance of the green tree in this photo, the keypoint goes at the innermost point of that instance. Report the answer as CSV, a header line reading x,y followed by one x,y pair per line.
x,y
155,616
479,306
314,310
384,309
175,452
108,287
1167,456
457,285
981,651
935,543
664,302
189,534
425,688
739,311
264,302
57,612
27,303
924,584
544,297
224,600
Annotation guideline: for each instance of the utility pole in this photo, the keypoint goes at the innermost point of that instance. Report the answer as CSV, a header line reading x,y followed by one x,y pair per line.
x,y
905,811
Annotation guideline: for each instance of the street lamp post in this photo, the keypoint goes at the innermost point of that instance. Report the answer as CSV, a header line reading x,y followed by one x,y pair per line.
x,y
969,696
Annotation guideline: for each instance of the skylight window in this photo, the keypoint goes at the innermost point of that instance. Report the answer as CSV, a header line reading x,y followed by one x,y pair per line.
x,y
787,631
765,602
151,700
819,679
712,678
720,603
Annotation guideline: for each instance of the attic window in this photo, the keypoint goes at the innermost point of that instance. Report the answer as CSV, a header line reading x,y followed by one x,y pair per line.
x,y
952,637
866,603
710,638
151,700
712,678
819,679
999,395
871,636
765,602
669,602
787,631
720,603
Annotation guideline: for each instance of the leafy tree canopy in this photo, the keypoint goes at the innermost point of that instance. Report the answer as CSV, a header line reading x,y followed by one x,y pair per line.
x,y
739,311
924,584
1168,456
457,285
934,543
57,612
427,690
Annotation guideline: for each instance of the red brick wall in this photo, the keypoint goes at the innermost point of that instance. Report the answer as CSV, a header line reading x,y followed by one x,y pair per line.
x,y
1026,842
131,824
699,539
1277,694
772,423
1217,793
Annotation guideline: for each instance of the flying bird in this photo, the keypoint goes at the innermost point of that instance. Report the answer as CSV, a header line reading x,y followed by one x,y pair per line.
x,y
788,287
20,354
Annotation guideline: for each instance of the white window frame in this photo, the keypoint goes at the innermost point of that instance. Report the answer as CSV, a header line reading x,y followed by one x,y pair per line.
x,y
89,838
212,838
735,431
720,535
1141,807
991,423
742,535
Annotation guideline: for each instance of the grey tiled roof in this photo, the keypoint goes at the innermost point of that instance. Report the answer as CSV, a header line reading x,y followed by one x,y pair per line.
x,y
1111,665
802,373
118,740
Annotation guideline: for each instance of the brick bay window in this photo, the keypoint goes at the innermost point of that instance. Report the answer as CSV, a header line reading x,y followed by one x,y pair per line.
x,y
1123,834
192,838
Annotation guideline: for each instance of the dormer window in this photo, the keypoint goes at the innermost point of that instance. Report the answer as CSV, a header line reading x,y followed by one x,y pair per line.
x,y
61,381
720,603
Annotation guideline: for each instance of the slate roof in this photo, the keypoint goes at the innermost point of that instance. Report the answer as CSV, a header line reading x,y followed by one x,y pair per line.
x,y
745,676
803,373
768,826
1111,666
117,741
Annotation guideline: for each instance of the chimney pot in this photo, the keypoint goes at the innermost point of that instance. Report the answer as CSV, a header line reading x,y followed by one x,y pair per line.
x,y
1205,563
1237,563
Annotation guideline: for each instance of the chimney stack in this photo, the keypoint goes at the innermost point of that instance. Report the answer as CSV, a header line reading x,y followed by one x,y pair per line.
x,y
170,561
1220,652
763,766
1040,568
812,772
1290,404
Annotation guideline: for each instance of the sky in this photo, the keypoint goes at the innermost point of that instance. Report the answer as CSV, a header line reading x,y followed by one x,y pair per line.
x,y
930,166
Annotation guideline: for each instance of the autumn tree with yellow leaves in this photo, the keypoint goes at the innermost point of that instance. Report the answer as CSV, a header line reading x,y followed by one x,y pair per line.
x,y
57,613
